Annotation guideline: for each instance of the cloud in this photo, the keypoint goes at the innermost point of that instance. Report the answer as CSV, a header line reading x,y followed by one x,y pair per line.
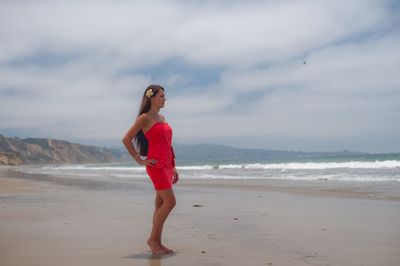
x,y
348,90
232,69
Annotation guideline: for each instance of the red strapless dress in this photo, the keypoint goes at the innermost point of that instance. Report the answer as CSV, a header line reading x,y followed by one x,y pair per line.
x,y
159,138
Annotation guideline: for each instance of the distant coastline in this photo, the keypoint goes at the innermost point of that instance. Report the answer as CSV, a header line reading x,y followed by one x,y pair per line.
x,y
17,151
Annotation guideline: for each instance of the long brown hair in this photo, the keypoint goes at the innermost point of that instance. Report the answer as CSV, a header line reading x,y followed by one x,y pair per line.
x,y
140,140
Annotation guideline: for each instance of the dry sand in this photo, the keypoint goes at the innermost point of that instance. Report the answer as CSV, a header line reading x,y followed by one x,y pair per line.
x,y
87,223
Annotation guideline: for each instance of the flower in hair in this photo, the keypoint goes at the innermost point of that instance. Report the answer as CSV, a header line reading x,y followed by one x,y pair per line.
x,y
149,93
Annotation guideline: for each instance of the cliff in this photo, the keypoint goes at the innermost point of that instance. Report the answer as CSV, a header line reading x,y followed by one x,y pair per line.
x,y
16,151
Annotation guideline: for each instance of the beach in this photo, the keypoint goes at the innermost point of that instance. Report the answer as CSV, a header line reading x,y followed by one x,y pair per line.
x,y
58,220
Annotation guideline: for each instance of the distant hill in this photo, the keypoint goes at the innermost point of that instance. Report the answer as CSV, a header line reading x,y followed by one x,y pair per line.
x,y
16,151
214,152
208,153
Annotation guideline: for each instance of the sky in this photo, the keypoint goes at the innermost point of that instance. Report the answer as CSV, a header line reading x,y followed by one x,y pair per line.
x,y
281,75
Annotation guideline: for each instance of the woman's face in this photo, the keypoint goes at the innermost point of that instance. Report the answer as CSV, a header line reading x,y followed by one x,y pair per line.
x,y
159,99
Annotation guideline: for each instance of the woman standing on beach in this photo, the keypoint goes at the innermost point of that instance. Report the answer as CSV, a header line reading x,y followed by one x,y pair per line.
x,y
152,138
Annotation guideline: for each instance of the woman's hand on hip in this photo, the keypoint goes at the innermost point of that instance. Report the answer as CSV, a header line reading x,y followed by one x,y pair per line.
x,y
149,162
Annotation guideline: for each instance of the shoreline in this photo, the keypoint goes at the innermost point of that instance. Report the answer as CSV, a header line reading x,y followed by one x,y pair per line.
x,y
59,221
346,189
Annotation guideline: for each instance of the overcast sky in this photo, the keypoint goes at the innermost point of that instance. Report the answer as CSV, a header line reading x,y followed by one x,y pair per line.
x,y
233,71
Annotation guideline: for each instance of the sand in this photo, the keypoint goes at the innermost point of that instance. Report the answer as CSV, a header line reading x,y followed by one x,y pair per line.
x,y
51,221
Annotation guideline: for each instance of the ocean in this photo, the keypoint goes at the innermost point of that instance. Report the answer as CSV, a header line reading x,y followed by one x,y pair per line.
x,y
365,168
374,173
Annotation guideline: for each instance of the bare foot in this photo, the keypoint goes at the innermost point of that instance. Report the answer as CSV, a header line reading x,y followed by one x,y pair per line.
x,y
167,250
155,247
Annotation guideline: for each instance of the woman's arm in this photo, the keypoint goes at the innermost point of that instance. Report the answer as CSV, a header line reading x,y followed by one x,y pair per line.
x,y
140,122
176,174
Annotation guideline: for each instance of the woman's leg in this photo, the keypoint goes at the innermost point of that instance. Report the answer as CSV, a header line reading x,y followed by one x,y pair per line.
x,y
165,202
158,203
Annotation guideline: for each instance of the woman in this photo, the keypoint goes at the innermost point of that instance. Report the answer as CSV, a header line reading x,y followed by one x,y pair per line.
x,y
151,137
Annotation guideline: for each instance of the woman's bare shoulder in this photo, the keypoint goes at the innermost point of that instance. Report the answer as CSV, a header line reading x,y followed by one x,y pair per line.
x,y
162,118
143,119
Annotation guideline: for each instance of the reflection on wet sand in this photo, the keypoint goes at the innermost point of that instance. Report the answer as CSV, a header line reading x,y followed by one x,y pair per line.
x,y
154,260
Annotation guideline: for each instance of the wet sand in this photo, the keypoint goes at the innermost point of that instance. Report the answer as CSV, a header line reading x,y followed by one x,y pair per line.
x,y
48,220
